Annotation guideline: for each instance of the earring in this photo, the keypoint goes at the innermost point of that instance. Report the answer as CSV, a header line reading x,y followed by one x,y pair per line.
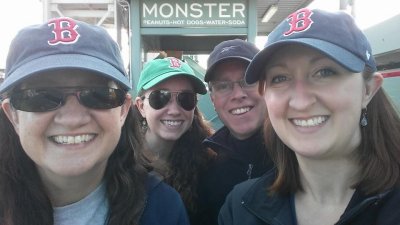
x,y
144,124
364,118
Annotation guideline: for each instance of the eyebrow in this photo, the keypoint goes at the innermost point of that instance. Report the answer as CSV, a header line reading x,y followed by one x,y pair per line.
x,y
318,58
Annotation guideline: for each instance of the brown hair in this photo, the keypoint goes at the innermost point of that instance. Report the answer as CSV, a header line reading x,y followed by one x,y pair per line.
x,y
378,153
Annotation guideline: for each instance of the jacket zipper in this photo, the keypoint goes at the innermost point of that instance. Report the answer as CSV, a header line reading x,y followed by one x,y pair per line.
x,y
249,171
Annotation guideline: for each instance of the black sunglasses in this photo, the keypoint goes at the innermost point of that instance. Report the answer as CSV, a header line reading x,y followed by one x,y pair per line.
x,y
48,99
158,99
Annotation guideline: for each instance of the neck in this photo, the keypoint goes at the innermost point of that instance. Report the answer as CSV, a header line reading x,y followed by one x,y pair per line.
x,y
65,190
327,180
327,190
159,148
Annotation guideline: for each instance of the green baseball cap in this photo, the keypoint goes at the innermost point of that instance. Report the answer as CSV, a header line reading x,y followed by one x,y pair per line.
x,y
158,70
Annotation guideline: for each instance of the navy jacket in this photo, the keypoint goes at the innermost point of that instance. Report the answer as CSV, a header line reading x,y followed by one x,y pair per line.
x,y
164,205
249,204
237,161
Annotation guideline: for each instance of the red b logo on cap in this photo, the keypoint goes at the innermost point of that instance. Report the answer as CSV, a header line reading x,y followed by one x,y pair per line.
x,y
174,62
299,21
64,30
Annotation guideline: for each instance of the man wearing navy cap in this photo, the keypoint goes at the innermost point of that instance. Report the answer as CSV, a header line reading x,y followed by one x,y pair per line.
x,y
241,152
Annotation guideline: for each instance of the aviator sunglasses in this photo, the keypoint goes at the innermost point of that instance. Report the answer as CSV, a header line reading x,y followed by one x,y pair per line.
x,y
48,99
158,99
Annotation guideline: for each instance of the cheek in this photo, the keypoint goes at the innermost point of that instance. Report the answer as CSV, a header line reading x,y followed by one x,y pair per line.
x,y
189,115
258,99
32,129
347,98
147,111
275,105
152,116
30,121
218,102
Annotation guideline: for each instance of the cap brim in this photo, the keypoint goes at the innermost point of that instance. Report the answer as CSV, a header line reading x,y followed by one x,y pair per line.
x,y
199,86
64,61
343,57
208,75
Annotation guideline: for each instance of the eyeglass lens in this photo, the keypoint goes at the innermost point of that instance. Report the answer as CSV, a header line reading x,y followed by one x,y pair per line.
x,y
226,87
159,99
42,100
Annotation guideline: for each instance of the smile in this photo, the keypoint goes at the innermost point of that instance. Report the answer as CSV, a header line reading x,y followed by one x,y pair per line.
x,y
315,121
239,111
172,122
68,140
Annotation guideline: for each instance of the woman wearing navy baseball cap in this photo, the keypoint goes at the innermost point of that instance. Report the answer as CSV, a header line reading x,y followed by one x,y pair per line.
x,y
331,130
69,144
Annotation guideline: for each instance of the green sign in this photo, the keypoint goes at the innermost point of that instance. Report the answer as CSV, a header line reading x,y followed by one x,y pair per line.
x,y
156,13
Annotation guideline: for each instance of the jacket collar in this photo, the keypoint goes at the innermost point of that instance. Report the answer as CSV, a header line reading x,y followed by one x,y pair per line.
x,y
222,139
268,208
275,209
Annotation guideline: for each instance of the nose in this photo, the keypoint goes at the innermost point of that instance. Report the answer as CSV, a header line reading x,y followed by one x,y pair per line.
x,y
238,92
302,96
72,113
173,107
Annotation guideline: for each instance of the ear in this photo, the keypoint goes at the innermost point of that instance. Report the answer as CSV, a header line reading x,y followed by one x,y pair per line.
x,y
140,105
125,107
371,87
11,114
212,97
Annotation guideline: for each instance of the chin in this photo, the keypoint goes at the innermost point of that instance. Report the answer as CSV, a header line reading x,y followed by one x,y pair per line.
x,y
245,131
171,138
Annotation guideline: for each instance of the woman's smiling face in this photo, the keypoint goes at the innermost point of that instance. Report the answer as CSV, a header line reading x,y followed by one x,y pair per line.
x,y
171,121
314,104
72,140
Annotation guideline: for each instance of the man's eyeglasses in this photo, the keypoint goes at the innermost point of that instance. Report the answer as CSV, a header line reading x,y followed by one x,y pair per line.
x,y
48,99
226,87
158,99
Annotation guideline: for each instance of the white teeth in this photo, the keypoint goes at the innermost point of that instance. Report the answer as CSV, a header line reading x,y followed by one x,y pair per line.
x,y
240,110
172,122
315,121
72,139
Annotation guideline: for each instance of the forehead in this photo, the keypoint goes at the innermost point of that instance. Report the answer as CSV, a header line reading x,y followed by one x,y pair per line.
x,y
291,51
230,70
66,78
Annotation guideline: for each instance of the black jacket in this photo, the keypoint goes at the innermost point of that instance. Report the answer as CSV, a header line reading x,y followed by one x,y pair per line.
x,y
249,204
237,161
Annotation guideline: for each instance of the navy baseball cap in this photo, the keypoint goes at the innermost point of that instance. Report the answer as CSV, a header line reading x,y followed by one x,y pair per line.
x,y
63,43
335,34
231,49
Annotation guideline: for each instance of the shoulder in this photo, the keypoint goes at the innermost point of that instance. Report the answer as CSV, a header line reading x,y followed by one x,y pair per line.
x,y
250,203
248,189
158,190
390,211
163,205
248,192
219,137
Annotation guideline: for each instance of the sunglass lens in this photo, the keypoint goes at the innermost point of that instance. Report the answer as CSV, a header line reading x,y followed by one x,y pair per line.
x,y
33,100
187,100
102,98
158,99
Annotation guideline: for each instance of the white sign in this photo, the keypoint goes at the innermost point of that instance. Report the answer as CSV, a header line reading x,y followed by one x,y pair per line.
x,y
194,14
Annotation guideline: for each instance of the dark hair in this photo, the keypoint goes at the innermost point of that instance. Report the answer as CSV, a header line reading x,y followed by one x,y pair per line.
x,y
23,199
378,153
187,159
